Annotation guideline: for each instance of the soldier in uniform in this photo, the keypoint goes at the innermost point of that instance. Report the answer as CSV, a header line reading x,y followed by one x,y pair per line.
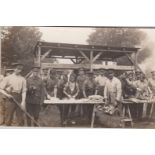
x,y
35,94
152,82
80,80
14,87
130,88
71,90
137,75
101,81
142,87
51,84
90,87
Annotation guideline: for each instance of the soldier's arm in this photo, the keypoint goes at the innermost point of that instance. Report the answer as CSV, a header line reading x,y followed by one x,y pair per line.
x,y
43,92
3,86
119,90
64,91
84,89
77,91
96,87
24,89
55,91
149,89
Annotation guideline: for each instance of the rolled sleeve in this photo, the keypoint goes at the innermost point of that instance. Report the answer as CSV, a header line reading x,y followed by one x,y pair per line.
x,y
4,83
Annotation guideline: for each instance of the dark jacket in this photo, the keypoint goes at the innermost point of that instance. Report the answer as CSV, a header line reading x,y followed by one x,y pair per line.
x,y
35,90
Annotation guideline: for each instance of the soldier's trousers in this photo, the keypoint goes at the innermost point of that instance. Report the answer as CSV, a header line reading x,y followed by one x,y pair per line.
x,y
10,108
2,109
33,110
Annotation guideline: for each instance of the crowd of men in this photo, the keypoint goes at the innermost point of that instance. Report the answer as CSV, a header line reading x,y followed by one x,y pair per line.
x,y
49,83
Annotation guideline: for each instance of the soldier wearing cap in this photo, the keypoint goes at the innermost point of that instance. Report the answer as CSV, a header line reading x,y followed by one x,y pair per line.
x,y
80,80
14,86
51,84
142,87
130,88
44,75
71,90
137,74
35,94
113,89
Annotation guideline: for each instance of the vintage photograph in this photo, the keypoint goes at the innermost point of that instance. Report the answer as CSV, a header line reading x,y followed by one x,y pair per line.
x,y
77,77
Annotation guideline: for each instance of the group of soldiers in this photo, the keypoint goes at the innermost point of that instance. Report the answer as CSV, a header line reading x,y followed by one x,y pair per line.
x,y
49,84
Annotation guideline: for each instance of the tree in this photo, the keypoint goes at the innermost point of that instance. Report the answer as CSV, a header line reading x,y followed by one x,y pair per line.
x,y
124,37
18,44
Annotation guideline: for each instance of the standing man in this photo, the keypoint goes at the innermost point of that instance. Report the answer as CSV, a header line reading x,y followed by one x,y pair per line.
x,y
129,88
35,94
90,87
80,80
152,82
152,88
113,89
71,91
14,86
101,81
2,105
137,75
51,85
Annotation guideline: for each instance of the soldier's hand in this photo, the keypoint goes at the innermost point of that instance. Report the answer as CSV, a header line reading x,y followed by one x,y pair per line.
x,y
106,101
23,105
9,96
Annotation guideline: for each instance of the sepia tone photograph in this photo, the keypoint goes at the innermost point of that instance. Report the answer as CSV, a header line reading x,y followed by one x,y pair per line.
x,y
77,77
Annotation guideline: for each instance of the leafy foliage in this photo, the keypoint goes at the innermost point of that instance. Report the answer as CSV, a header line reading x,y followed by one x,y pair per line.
x,y
18,44
124,37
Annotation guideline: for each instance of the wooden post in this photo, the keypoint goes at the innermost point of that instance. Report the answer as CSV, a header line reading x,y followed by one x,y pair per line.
x,y
45,54
135,54
97,56
39,55
75,62
83,54
91,61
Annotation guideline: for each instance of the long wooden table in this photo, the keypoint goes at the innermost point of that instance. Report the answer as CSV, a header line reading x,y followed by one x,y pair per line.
x,y
80,101
127,102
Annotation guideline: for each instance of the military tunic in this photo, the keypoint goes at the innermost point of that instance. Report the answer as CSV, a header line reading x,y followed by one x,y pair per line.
x,y
35,97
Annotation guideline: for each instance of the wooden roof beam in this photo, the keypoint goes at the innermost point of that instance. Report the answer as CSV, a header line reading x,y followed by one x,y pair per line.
x,y
89,49
97,56
84,55
45,54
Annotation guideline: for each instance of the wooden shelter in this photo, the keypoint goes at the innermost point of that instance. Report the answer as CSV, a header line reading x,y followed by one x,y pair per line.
x,y
85,56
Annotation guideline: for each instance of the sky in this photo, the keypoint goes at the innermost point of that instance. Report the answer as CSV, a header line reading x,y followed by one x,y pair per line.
x,y
79,35
65,34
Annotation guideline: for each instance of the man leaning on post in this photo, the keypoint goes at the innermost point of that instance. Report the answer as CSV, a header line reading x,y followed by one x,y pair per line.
x,y
13,88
